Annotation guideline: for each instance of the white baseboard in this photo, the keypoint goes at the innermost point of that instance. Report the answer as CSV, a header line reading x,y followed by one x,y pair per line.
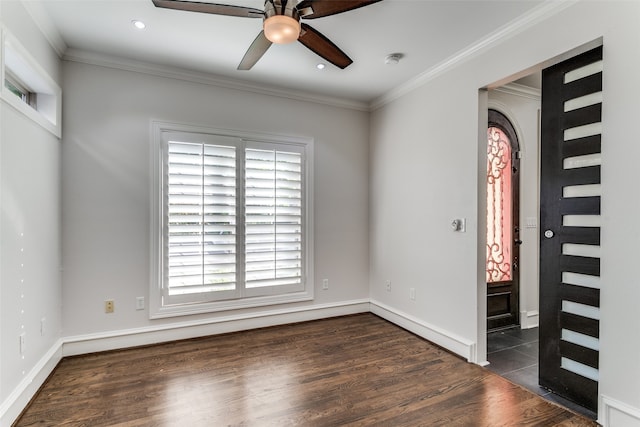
x,y
113,340
617,414
529,319
14,404
439,336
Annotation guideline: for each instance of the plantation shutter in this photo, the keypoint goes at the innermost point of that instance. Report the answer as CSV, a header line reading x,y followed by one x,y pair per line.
x,y
233,218
273,220
201,218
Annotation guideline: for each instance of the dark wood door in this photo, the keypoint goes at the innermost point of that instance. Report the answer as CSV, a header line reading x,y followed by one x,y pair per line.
x,y
503,227
570,228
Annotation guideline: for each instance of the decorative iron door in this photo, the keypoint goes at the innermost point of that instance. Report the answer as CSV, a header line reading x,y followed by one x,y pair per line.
x,y
503,229
570,228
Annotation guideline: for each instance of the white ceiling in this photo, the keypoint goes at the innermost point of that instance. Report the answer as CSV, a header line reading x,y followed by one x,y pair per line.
x,y
426,32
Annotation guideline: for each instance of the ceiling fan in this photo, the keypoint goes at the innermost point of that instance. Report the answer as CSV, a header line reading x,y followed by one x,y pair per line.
x,y
281,24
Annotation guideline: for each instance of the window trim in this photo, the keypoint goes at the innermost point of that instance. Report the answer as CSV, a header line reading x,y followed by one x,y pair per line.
x,y
156,309
17,64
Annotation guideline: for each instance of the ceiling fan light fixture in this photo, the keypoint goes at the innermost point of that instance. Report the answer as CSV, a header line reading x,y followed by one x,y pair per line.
x,y
281,29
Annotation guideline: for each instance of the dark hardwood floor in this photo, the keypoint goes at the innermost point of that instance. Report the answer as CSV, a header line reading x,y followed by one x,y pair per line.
x,y
356,370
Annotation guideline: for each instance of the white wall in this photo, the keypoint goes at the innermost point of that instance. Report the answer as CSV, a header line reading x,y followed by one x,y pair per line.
x,y
522,110
420,171
424,172
30,233
106,193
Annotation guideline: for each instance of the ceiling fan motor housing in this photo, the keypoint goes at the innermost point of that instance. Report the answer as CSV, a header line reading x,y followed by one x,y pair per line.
x,y
280,7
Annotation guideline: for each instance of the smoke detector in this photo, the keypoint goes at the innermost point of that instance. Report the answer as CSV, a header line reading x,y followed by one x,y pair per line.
x,y
393,58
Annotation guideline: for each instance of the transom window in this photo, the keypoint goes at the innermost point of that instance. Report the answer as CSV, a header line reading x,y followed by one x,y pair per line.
x,y
19,89
27,87
234,228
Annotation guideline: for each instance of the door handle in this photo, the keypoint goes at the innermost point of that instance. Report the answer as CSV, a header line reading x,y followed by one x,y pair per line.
x,y
517,242
548,234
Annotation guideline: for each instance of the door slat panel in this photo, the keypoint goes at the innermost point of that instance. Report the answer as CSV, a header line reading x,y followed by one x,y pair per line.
x,y
579,264
583,116
589,175
580,206
580,324
579,353
578,88
582,146
581,294
582,235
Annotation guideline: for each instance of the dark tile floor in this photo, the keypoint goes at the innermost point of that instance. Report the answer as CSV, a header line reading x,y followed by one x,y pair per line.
x,y
513,353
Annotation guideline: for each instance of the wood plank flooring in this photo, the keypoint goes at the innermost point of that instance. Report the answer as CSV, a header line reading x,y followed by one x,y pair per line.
x,y
356,370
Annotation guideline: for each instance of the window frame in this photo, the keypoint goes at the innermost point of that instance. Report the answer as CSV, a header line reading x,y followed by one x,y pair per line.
x,y
159,132
23,92
18,66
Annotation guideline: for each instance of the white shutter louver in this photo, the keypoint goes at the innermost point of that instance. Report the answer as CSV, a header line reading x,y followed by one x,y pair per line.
x,y
273,219
201,219
232,221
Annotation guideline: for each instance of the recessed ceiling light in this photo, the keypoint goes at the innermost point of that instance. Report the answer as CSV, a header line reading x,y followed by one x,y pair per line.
x,y
138,24
320,66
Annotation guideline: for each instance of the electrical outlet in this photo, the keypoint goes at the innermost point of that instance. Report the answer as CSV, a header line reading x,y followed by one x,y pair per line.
x,y
388,285
412,293
139,303
109,306
325,284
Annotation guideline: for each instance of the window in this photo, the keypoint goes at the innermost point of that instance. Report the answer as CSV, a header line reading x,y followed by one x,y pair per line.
x,y
19,89
499,206
502,200
232,219
25,82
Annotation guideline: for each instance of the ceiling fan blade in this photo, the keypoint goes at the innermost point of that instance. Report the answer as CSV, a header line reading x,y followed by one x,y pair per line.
x,y
322,46
330,7
255,52
214,8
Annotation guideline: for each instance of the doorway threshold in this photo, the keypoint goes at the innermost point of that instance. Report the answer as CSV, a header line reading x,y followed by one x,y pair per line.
x,y
513,354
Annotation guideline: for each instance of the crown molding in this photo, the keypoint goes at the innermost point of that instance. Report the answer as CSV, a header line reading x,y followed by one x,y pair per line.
x,y
538,14
522,91
45,24
92,58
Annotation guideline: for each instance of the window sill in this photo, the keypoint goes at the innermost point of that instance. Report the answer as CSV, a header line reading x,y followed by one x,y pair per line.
x,y
30,113
157,312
